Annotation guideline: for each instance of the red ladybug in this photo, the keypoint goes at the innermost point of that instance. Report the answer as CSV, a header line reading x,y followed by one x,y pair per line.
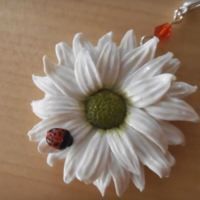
x,y
59,138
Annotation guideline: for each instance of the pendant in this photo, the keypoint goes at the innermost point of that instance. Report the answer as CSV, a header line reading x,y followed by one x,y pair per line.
x,y
107,108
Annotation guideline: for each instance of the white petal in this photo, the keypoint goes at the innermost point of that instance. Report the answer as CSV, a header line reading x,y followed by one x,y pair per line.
x,y
173,109
62,77
173,134
103,41
151,156
148,127
137,57
127,43
73,158
35,136
43,147
40,129
53,157
121,177
64,54
152,68
55,105
103,181
139,180
61,121
94,159
172,66
108,65
86,73
70,164
78,128
123,150
181,90
149,91
45,84
80,43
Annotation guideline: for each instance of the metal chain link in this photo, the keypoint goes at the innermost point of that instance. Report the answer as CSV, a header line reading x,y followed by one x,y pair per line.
x,y
179,14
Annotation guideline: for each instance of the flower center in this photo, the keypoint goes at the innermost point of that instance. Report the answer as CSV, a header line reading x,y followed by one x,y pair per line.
x,y
105,109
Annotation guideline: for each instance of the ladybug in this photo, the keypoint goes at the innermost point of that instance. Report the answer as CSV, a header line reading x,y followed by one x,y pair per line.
x,y
59,138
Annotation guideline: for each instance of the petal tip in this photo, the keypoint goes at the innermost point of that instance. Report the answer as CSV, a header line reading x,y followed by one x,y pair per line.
x,y
197,118
77,38
101,190
169,54
110,34
46,64
34,77
43,147
155,39
194,89
141,188
59,44
66,180
78,34
39,150
51,164
130,31
173,78
183,142
29,134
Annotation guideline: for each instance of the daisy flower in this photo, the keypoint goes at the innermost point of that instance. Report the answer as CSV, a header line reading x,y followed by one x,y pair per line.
x,y
109,106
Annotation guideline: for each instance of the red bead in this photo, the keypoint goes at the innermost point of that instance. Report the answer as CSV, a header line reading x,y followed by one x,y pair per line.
x,y
163,31
59,138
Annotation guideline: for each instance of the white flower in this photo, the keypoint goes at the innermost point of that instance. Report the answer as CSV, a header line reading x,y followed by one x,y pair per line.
x,y
115,101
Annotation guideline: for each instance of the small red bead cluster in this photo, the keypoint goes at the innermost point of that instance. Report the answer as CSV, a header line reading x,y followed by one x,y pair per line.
x,y
163,31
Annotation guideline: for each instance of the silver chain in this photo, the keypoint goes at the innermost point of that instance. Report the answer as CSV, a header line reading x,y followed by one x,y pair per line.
x,y
182,10
179,14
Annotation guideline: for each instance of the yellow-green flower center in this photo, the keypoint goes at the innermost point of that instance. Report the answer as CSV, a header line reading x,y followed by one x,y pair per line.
x,y
105,109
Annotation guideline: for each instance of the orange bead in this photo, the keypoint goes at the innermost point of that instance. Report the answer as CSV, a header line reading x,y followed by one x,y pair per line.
x,y
163,31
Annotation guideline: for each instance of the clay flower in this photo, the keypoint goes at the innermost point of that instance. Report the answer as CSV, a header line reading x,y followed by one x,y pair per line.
x,y
114,103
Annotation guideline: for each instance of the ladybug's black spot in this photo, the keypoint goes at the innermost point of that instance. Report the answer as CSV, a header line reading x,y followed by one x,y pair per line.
x,y
59,138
